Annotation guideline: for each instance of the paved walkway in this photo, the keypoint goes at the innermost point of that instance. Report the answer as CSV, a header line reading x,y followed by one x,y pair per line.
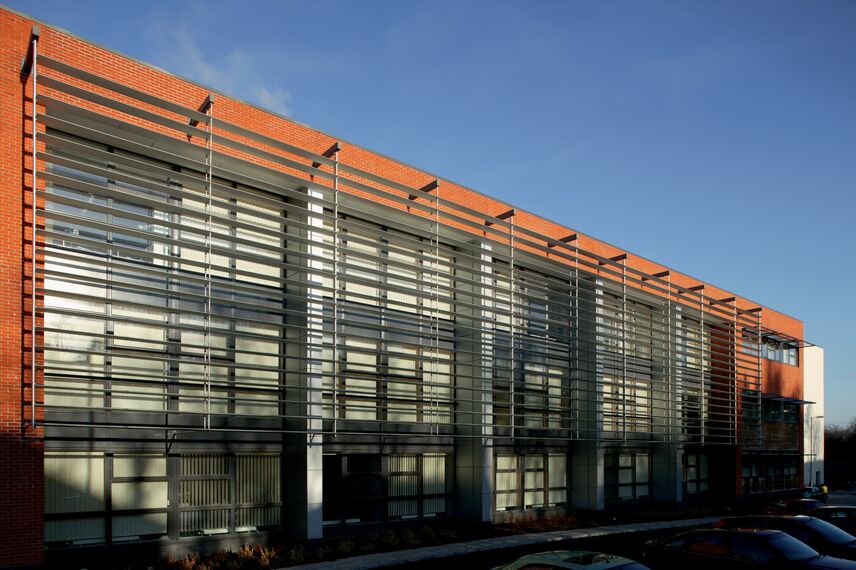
x,y
395,558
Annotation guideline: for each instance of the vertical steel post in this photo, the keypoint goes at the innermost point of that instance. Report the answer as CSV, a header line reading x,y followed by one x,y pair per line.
x,y
574,346
702,366
336,367
758,382
35,74
209,175
624,395
435,318
511,327
671,397
734,356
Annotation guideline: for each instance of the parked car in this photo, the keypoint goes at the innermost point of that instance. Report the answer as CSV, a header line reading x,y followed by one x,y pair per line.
x,y
718,549
793,506
813,492
841,516
574,559
820,535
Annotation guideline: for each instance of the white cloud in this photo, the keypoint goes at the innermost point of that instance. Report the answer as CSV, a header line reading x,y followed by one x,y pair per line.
x,y
236,74
274,99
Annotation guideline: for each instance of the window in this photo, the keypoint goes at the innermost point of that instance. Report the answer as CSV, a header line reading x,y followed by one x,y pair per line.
x,y
779,350
750,402
791,413
360,379
696,473
394,270
772,410
506,482
416,486
139,492
390,381
627,475
354,487
691,344
360,265
126,270
750,345
624,338
626,404
74,498
532,480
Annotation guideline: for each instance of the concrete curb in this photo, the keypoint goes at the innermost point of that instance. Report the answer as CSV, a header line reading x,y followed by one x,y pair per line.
x,y
394,558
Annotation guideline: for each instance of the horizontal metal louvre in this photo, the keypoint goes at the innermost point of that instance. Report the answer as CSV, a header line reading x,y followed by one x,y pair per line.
x,y
194,283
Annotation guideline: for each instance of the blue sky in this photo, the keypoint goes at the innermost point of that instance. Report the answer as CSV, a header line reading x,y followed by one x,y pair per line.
x,y
717,137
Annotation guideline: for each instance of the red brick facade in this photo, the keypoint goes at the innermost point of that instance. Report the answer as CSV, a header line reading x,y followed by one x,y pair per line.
x,y
21,483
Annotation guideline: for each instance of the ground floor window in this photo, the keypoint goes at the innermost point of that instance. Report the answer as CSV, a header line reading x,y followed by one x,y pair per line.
x,y
766,474
696,473
627,475
366,488
103,498
530,480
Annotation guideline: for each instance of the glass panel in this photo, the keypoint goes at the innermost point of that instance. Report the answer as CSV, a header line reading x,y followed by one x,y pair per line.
x,y
506,462
642,467
135,527
434,473
139,466
557,465
140,495
74,482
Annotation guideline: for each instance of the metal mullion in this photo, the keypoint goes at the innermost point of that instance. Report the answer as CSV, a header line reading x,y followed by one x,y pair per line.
x,y
34,72
511,327
337,364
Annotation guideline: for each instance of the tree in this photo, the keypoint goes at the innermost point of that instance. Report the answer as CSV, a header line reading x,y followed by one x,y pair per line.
x,y
840,454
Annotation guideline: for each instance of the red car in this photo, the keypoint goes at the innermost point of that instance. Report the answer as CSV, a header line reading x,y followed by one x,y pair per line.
x,y
793,506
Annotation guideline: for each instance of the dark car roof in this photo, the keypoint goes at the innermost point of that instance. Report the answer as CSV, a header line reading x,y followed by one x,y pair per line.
x,y
577,559
780,516
752,531
792,501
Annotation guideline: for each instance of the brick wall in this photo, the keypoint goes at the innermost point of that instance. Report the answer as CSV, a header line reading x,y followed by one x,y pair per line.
x,y
21,471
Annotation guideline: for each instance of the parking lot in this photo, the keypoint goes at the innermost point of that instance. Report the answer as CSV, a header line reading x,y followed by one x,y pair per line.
x,y
628,545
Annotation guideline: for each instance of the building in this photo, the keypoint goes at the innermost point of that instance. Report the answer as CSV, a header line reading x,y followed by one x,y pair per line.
x,y
244,325
813,424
